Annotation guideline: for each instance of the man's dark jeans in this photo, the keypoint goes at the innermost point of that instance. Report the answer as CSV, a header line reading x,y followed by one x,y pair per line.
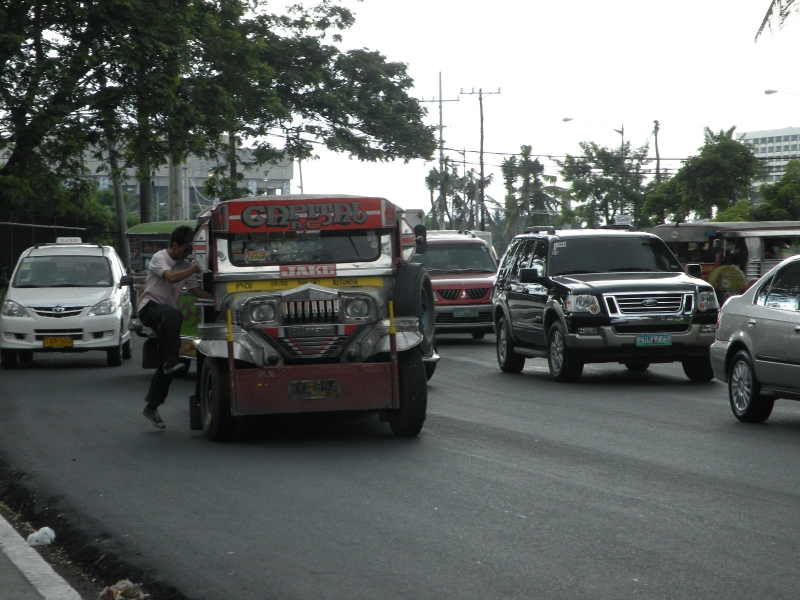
x,y
166,321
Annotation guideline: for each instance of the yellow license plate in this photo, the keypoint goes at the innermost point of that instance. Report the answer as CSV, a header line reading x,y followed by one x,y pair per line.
x,y
187,348
316,389
57,342
289,284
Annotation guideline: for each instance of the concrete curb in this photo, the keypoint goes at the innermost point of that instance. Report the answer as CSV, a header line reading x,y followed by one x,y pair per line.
x,y
41,576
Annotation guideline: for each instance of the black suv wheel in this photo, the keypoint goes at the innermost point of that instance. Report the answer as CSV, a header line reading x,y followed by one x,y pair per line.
x,y
509,361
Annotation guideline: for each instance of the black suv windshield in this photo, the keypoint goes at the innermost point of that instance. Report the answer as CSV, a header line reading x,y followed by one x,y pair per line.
x,y
608,254
456,257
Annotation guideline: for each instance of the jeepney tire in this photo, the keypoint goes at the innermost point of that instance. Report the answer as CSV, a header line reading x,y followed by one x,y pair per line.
x,y
8,359
215,401
127,350
183,373
407,420
508,360
637,366
25,356
563,365
430,369
114,355
698,369
413,297
744,391
478,335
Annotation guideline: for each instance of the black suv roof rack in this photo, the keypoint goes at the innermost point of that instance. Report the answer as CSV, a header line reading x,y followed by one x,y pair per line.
x,y
620,226
539,228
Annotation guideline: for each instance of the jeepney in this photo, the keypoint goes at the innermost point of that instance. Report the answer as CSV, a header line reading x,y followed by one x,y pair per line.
x,y
144,240
317,308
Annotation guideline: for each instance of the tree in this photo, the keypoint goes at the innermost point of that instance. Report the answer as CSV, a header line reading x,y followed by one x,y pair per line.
x,y
781,199
713,180
527,202
778,9
606,182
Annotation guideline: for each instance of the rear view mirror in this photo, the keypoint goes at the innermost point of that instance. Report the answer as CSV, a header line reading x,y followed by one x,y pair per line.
x,y
421,238
530,276
694,270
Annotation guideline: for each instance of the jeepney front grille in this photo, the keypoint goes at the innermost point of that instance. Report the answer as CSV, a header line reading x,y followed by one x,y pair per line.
x,y
646,304
310,311
58,312
75,334
311,347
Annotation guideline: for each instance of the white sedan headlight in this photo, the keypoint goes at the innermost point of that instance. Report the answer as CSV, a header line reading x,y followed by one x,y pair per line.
x,y
707,301
583,303
12,309
106,307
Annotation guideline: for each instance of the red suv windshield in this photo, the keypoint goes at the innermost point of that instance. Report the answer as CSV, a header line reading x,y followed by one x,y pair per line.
x,y
455,257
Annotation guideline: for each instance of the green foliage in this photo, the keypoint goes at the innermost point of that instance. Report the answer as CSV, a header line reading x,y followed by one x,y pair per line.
x,y
781,199
713,180
741,211
528,199
455,200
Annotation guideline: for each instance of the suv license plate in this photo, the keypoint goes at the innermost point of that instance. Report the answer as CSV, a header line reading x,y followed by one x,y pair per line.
x,y
315,389
57,342
654,339
461,313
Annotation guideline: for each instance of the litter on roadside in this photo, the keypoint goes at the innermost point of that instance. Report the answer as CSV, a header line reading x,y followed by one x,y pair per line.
x,y
42,537
123,590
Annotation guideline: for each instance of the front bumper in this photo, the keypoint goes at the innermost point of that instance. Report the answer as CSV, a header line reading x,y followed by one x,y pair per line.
x,y
719,353
464,319
87,333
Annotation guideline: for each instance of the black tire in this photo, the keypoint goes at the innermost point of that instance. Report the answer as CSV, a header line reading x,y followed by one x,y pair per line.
x,y
637,366
215,401
184,372
127,350
744,391
413,297
8,359
25,356
564,367
509,361
407,420
114,355
698,369
430,369
478,335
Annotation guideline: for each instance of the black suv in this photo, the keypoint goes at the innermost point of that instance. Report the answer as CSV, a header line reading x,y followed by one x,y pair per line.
x,y
600,295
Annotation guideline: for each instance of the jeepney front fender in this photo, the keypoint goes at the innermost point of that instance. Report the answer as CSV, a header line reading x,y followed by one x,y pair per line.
x,y
407,336
242,350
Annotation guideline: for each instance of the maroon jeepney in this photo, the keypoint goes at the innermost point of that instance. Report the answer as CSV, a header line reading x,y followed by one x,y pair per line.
x,y
317,308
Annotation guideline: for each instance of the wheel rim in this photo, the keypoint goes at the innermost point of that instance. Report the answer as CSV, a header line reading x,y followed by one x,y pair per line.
x,y
425,309
557,351
501,343
741,386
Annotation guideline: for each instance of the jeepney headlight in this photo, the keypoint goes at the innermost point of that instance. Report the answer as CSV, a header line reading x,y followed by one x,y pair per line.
x,y
262,312
106,307
357,309
583,303
12,309
707,301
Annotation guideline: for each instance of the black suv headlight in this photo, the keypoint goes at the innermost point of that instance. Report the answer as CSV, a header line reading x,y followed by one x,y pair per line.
x,y
707,301
582,303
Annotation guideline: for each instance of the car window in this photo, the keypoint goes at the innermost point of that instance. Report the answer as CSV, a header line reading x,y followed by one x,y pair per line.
x,y
508,260
539,260
784,293
457,257
525,255
63,271
763,292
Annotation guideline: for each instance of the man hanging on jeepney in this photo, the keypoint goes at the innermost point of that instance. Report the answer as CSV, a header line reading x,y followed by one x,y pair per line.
x,y
728,279
168,273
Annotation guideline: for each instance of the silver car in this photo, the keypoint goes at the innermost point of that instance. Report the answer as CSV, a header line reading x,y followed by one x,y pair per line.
x,y
757,343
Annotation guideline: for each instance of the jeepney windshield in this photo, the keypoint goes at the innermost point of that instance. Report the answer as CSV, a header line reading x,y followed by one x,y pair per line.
x,y
306,247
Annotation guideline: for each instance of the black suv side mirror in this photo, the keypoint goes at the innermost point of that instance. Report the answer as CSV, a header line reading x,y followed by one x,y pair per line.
x,y
530,276
126,280
421,238
694,270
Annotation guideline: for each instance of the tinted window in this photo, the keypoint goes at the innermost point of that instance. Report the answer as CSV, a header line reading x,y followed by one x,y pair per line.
x,y
609,254
508,260
539,260
524,260
785,290
455,257
761,297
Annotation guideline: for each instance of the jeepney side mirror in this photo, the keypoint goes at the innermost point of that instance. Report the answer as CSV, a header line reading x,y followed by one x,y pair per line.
x,y
126,280
694,270
530,276
421,238
3,283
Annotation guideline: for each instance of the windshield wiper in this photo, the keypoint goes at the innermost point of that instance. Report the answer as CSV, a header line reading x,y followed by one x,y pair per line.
x,y
26,285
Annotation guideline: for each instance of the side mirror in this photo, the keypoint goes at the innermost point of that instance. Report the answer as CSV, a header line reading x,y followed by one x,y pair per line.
x,y
694,270
421,238
126,280
3,283
530,276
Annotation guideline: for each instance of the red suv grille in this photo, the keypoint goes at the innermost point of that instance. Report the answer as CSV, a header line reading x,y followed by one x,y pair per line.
x,y
449,294
474,293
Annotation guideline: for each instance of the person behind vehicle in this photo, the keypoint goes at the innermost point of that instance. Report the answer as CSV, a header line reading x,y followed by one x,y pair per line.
x,y
168,273
728,279
97,274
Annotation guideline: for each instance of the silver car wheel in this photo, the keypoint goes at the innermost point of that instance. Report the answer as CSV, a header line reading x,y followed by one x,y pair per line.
x,y
501,343
557,351
741,386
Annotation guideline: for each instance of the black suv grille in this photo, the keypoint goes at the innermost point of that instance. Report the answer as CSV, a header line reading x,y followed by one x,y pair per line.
x,y
645,304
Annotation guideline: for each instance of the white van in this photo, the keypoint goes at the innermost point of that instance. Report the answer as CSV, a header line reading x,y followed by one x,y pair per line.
x,y
66,297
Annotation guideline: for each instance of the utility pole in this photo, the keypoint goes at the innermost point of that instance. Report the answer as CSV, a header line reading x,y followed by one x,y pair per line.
x,y
480,93
658,158
441,140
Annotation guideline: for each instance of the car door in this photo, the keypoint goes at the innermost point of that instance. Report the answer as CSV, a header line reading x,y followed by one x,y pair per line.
x,y
521,304
771,325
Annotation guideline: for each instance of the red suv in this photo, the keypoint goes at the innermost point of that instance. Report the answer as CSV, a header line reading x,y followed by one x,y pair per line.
x,y
462,266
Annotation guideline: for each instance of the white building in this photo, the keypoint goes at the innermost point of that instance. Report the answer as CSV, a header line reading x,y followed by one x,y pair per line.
x,y
774,147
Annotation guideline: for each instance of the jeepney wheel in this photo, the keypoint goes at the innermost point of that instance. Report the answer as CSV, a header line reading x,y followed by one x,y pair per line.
x,y
8,359
413,297
407,420
744,391
215,401
698,369
508,360
183,373
564,367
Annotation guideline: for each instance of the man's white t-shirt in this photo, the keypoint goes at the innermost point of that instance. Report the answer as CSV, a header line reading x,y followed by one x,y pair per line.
x,y
157,288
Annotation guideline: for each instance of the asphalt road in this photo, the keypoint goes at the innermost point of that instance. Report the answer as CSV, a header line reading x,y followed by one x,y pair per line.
x,y
625,485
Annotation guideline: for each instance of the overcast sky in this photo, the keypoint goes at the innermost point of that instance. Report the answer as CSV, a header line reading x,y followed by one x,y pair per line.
x,y
687,63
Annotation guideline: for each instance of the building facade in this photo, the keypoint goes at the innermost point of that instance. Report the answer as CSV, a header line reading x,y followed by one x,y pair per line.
x,y
774,148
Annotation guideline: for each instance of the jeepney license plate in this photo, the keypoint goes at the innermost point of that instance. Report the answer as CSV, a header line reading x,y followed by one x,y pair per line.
x,y
654,339
187,348
315,389
57,342
461,313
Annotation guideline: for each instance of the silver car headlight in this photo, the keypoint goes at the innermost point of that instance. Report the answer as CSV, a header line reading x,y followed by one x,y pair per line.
x,y
707,301
583,303
357,309
262,312
12,309
106,307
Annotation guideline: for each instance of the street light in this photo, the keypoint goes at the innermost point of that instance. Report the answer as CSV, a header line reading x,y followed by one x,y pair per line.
x,y
770,92
620,131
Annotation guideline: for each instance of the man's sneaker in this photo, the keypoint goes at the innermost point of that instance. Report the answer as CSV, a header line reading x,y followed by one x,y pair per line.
x,y
155,418
174,368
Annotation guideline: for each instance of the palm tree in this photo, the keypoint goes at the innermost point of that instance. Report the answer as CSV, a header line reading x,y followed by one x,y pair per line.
x,y
779,9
